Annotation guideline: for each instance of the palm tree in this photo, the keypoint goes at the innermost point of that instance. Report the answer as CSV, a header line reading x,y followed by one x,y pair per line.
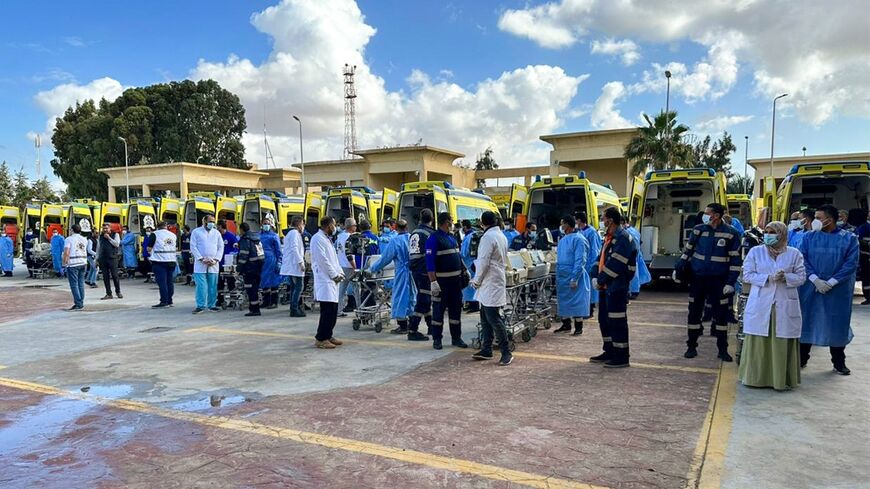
x,y
659,145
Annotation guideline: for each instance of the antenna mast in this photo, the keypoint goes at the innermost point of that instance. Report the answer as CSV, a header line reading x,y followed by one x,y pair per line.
x,y
349,112
38,143
268,153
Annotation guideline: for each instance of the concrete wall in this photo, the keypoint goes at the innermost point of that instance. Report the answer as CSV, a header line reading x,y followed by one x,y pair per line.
x,y
614,172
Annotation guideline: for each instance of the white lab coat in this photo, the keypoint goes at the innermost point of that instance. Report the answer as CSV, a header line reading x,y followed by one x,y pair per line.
x,y
293,263
324,264
758,268
490,267
206,244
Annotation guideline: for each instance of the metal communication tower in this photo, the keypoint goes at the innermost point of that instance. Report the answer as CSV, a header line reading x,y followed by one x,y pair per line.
x,y
349,112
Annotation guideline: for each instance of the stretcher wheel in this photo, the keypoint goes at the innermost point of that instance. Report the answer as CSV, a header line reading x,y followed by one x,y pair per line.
x,y
512,345
379,326
356,324
526,336
224,306
475,343
534,332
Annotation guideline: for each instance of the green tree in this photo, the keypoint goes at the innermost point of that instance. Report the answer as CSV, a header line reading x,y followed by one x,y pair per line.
x,y
6,190
738,184
485,161
197,122
716,155
22,193
659,145
43,191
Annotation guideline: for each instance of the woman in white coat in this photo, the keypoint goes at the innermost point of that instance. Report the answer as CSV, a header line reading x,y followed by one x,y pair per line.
x,y
772,317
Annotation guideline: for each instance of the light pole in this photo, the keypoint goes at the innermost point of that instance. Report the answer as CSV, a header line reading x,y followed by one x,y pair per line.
x,y
126,167
773,130
746,165
668,119
301,154
804,150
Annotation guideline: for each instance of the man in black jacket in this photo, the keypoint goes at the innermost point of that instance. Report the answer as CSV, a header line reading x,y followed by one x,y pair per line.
x,y
250,265
107,257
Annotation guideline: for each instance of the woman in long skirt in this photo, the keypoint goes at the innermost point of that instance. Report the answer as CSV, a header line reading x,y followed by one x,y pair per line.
x,y
772,317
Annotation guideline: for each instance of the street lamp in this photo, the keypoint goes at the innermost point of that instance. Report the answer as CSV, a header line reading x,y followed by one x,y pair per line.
x,y
126,167
804,150
773,130
301,154
746,165
668,119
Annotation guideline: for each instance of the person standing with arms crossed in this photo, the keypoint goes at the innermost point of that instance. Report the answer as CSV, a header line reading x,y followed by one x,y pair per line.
x,y
207,247
490,284
327,276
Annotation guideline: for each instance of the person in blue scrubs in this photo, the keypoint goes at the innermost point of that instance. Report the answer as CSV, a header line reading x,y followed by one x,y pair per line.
x,y
572,278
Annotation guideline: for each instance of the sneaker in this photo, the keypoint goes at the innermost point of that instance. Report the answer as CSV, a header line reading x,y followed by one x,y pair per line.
x,y
252,314
506,360
842,369
335,341
324,345
342,315
600,358
159,306
106,297
297,314
198,310
436,344
417,336
214,309
691,352
73,308
119,296
481,355
564,329
866,302
725,356
613,363
399,330
458,343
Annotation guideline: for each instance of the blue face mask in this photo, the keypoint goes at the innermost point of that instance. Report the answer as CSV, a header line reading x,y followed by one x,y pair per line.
x,y
267,227
770,239
209,226
706,218
386,230
533,234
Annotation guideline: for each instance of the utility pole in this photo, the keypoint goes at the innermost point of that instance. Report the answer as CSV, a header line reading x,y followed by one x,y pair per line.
x,y
668,120
773,130
126,167
746,166
301,155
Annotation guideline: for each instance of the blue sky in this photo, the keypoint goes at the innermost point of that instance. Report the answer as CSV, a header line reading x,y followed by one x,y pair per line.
x,y
453,43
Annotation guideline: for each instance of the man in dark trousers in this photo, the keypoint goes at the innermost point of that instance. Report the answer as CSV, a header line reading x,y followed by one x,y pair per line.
x,y
712,259
417,255
107,257
250,265
616,267
186,257
444,267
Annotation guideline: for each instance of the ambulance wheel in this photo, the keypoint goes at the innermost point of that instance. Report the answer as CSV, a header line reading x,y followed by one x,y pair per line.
x,y
379,326
355,325
526,336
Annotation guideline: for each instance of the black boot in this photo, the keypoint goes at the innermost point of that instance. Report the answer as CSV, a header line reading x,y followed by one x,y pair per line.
x,y
402,329
351,304
566,326
805,353
578,327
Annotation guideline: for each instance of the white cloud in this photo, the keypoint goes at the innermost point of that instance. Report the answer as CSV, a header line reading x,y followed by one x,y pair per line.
x,y
54,102
604,114
626,49
716,125
302,76
815,51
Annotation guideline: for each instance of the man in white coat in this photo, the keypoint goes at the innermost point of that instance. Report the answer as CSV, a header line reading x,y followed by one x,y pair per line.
x,y
490,284
293,265
327,276
207,248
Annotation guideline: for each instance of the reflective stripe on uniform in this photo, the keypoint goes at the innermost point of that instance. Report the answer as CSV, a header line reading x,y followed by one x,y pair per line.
x,y
723,327
447,252
696,232
695,326
734,253
632,268
615,315
437,323
619,257
448,274
689,246
607,339
734,268
454,321
720,259
415,256
424,291
699,256
723,301
723,235
610,272
620,345
684,257
436,299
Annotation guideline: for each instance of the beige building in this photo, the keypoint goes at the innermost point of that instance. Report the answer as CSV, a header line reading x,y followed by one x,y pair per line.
x,y
783,164
598,153
181,178
389,168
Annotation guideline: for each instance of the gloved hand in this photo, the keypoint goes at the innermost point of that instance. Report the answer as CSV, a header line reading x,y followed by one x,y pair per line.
x,y
727,290
338,278
573,284
435,288
674,276
594,284
822,287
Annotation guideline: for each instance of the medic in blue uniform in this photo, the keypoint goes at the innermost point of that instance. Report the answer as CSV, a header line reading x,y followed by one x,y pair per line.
x,y
444,266
270,278
526,240
468,261
863,233
642,276
57,242
573,287
831,258
404,290
387,233
364,297
509,232
594,240
225,284
128,246
7,250
417,263
711,260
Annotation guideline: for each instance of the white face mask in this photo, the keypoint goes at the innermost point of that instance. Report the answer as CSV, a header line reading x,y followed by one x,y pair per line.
x,y
706,218
795,224
816,225
601,225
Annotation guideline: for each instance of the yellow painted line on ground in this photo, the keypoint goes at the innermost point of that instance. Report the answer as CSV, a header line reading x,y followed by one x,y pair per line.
x,y
394,453
667,303
425,345
2,367
708,462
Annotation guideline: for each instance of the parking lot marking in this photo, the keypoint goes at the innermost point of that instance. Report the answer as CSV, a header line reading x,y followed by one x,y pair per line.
x,y
425,345
668,303
394,453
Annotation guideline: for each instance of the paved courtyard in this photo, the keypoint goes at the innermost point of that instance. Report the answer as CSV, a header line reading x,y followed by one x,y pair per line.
x,y
121,395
